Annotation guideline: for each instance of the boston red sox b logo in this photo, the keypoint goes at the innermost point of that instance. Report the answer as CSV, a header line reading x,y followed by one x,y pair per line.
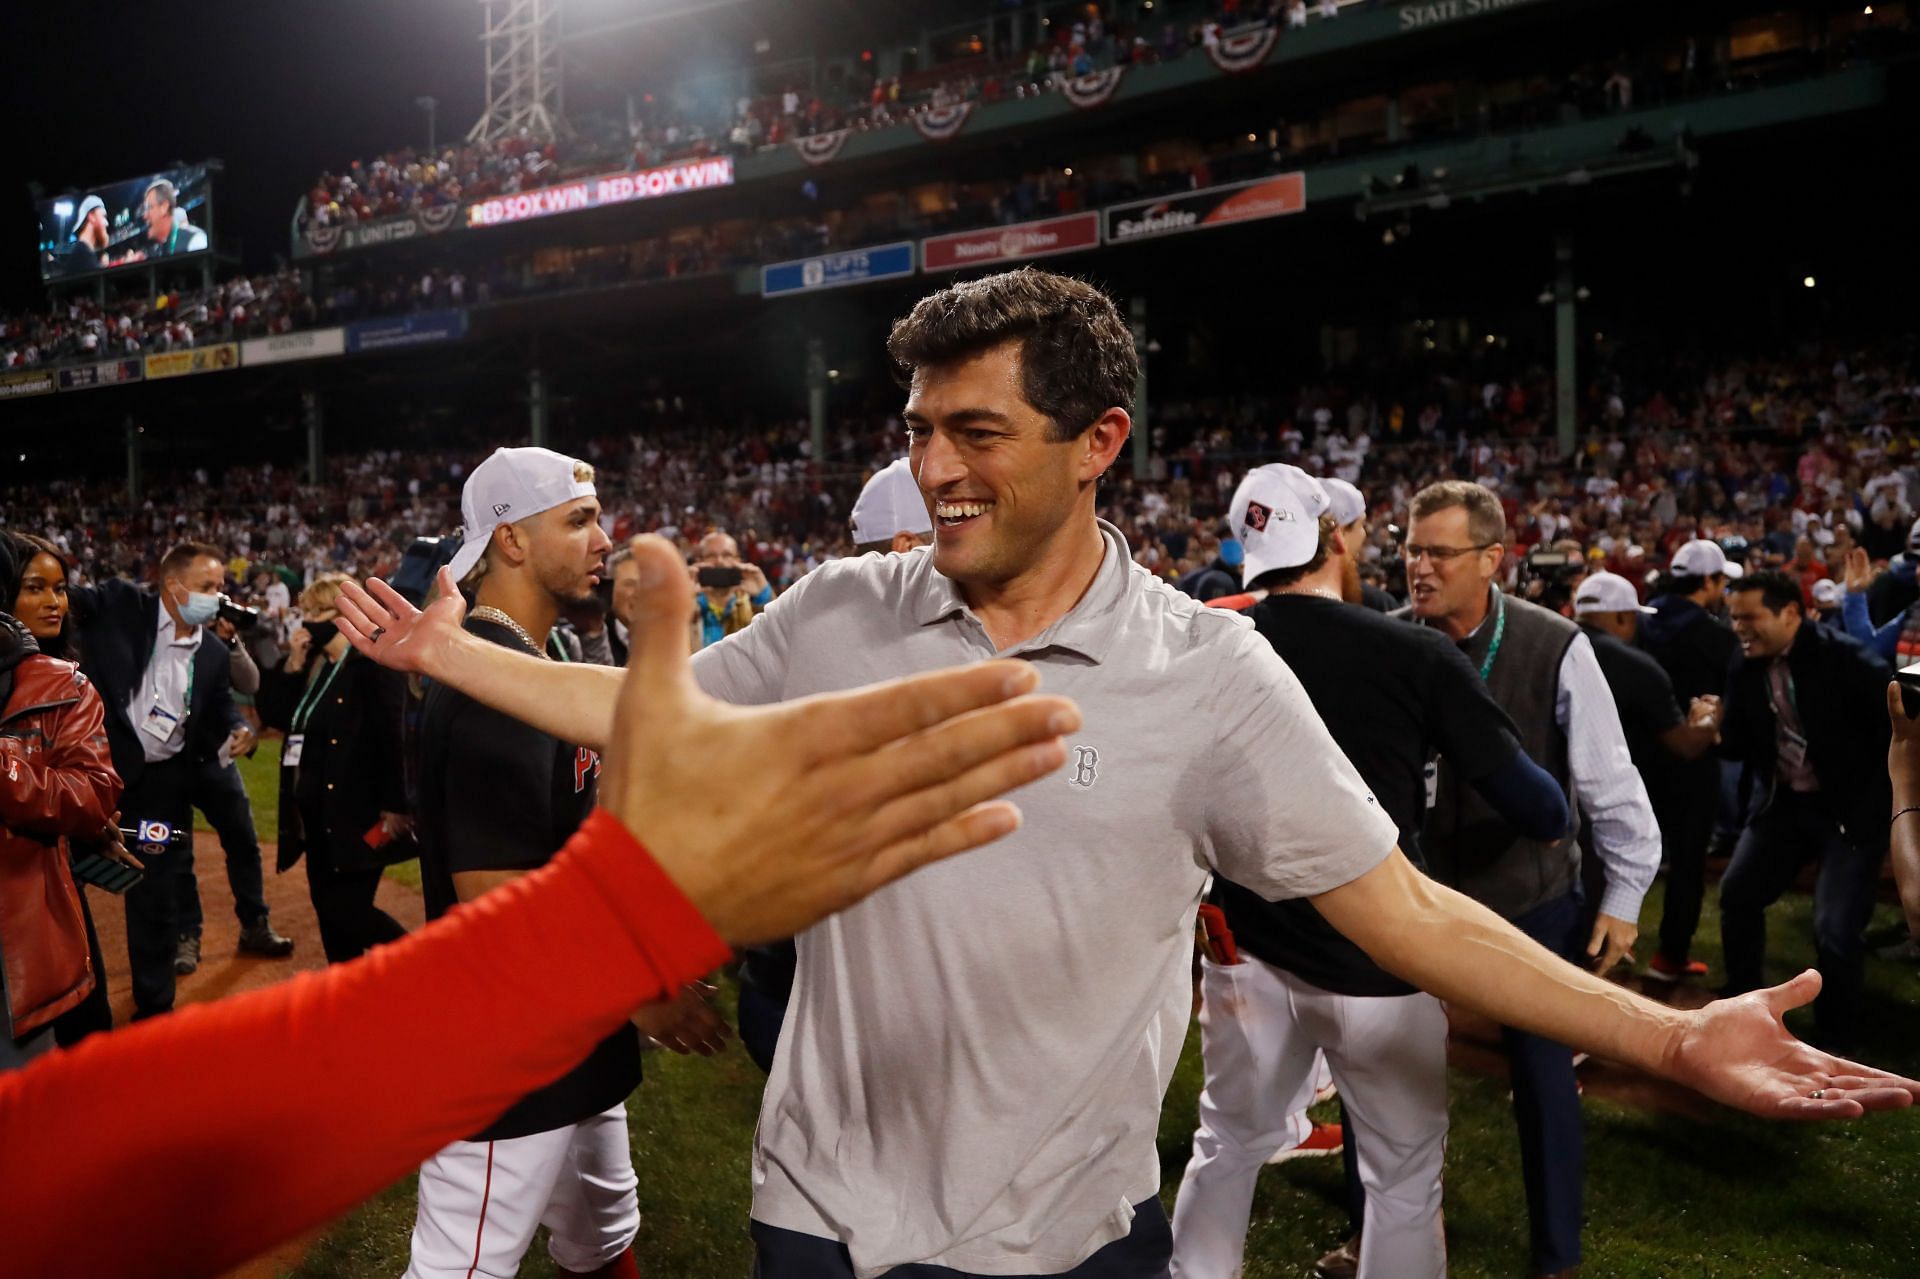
x,y
1086,767
1257,514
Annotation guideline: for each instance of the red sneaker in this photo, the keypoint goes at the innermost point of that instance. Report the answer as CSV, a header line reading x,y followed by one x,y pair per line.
x,y
1325,1139
1660,968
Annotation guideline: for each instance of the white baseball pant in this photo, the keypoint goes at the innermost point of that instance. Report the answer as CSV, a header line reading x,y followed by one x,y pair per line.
x,y
1260,1030
480,1201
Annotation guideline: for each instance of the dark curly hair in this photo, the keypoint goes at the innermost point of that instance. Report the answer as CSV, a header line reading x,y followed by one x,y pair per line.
x,y
1077,357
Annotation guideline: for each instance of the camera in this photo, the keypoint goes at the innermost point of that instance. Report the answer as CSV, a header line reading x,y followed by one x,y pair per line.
x,y
720,576
238,616
1551,575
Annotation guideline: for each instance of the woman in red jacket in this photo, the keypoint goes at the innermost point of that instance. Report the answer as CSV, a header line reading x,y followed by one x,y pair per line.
x,y
56,782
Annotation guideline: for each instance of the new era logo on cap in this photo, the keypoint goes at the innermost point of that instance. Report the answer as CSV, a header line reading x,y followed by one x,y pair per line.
x,y
501,508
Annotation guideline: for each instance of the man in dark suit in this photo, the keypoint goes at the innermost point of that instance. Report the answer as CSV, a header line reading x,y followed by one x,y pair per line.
x,y
1806,712
163,675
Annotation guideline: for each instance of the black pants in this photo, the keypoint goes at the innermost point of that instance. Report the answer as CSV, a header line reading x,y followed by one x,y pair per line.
x,y
1790,832
1145,1253
1546,1106
218,793
162,792
350,924
1686,828
95,1012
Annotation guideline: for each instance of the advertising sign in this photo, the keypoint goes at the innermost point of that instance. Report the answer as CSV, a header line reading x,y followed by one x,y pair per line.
x,y
1041,239
206,359
113,373
314,345
1209,207
422,328
836,270
13,386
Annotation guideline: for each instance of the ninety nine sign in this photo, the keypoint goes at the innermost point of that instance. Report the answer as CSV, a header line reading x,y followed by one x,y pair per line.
x,y
611,188
1209,207
836,270
1011,243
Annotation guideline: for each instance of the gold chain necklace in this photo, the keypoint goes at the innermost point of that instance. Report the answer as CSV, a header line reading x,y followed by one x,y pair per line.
x,y
488,613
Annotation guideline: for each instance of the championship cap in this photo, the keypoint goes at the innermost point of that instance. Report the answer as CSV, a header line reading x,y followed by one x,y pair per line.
x,y
1273,521
1607,593
1701,558
87,206
509,487
1348,503
1826,591
1312,493
889,503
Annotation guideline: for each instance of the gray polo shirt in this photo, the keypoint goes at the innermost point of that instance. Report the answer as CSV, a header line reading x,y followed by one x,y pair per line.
x,y
973,1061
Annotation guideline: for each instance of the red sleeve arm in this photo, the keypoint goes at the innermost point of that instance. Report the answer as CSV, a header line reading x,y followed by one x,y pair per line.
x,y
280,1109
70,788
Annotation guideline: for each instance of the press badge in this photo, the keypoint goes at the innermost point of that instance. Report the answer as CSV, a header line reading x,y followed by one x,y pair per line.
x,y
159,723
1793,750
290,749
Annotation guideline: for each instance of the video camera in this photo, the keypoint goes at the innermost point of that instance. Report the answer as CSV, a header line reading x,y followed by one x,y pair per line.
x,y
238,616
1550,576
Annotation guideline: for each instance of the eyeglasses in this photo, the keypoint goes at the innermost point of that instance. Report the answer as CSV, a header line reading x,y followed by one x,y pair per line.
x,y
1440,554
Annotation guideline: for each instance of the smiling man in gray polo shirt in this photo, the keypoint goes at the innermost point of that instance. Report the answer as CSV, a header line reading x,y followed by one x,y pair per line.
x,y
971,1070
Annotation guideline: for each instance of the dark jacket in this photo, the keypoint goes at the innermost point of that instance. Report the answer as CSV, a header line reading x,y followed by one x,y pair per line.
x,y
119,620
56,784
1211,582
1839,691
353,742
1695,650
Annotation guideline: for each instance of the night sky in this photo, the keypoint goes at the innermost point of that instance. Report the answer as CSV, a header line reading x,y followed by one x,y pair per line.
x,y
281,89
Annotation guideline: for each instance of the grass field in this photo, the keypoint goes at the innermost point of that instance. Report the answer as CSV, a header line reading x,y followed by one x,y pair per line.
x,y
1665,1196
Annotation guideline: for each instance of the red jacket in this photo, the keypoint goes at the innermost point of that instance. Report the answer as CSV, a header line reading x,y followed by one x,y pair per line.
x,y
56,781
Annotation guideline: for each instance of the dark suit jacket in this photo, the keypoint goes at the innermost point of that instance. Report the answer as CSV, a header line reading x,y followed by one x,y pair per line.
x,y
1840,694
118,620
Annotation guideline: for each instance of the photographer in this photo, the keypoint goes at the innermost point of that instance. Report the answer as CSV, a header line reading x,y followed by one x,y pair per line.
x,y
164,678
1803,712
1903,768
343,809
57,785
730,591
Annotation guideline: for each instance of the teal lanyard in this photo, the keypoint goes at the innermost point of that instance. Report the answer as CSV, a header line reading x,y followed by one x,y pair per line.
x,y
556,649
1499,633
315,691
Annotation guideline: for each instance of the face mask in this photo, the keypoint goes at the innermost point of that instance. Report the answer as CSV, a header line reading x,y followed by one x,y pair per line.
x,y
322,632
199,609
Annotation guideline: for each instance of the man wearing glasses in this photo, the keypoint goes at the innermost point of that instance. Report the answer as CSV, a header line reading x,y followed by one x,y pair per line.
x,y
1543,671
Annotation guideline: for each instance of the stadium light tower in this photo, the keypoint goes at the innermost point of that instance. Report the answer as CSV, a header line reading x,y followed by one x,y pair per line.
x,y
521,42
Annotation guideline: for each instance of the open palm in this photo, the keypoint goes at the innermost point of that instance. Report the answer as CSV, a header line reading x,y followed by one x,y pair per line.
x,y
378,621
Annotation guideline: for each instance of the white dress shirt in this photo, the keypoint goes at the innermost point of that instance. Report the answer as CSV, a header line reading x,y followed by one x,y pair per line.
x,y
1608,786
165,684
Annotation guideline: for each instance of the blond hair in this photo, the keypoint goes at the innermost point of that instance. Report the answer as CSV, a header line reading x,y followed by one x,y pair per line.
x,y
322,594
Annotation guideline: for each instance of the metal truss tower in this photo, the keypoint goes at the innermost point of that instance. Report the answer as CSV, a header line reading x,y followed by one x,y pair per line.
x,y
522,46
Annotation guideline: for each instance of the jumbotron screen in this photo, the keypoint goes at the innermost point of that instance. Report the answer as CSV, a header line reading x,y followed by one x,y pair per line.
x,y
122,224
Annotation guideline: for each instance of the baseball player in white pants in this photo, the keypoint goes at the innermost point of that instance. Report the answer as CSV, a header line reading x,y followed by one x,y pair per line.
x,y
480,1201
1261,1028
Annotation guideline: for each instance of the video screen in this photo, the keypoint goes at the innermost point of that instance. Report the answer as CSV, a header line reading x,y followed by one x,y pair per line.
x,y
126,223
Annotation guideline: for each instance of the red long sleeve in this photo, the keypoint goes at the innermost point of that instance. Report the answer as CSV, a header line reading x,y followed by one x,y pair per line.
x,y
273,1112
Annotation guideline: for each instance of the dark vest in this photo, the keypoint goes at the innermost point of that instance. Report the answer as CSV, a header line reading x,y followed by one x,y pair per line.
x,y
1467,844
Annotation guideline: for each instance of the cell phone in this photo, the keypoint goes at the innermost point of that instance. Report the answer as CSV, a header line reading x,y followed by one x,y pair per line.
x,y
1214,937
720,576
105,873
1909,678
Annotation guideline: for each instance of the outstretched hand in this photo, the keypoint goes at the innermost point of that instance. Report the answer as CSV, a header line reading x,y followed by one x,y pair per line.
x,y
849,791
378,621
1739,1052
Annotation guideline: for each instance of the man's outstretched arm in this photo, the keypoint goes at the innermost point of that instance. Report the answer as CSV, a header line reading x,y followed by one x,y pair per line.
x,y
573,702
1736,1051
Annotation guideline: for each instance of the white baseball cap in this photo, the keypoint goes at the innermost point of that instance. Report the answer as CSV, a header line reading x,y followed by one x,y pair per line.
x,y
508,487
1826,591
87,206
890,503
1348,503
1276,525
1607,593
1701,558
